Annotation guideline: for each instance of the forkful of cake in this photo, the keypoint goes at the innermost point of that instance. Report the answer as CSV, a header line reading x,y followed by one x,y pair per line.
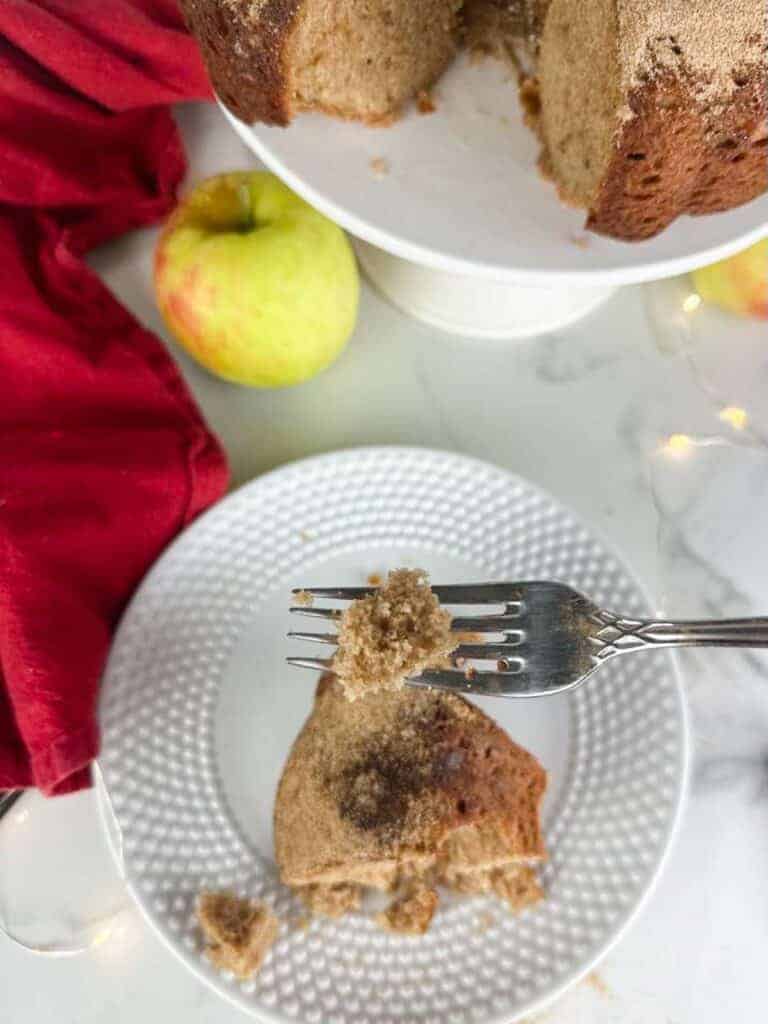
x,y
528,639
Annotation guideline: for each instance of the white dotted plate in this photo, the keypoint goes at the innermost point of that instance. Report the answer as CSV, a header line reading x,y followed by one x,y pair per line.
x,y
199,710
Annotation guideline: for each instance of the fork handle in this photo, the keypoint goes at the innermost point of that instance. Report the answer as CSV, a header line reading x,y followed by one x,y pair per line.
x,y
619,636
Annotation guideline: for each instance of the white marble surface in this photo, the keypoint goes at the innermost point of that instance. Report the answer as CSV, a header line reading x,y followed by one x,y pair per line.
x,y
584,413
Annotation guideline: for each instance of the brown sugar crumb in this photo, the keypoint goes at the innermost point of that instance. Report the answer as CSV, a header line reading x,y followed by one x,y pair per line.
x,y
330,900
380,166
595,981
470,638
238,932
411,913
514,883
517,885
485,921
303,598
425,102
530,101
398,631
457,660
301,923
395,781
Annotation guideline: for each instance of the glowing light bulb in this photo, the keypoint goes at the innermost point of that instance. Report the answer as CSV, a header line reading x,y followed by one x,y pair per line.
x,y
677,445
736,416
101,936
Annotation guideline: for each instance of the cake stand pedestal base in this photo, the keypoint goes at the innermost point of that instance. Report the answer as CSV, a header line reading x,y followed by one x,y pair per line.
x,y
476,307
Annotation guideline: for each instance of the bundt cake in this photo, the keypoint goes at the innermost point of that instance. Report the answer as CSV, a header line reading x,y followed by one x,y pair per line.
x,y
400,787
653,108
357,59
646,108
508,29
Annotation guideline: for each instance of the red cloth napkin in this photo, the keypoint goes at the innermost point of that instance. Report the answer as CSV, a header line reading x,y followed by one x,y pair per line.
x,y
103,455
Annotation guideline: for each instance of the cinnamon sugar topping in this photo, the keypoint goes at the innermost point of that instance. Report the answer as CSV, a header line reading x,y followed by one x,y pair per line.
x,y
710,40
395,632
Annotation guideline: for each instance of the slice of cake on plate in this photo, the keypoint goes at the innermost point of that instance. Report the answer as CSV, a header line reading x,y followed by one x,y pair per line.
x,y
404,790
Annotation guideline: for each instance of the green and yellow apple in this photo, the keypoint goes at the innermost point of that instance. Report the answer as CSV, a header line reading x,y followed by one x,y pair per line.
x,y
738,284
254,283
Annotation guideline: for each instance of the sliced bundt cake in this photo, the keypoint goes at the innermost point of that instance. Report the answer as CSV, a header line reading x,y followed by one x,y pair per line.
x,y
357,59
406,785
653,108
646,109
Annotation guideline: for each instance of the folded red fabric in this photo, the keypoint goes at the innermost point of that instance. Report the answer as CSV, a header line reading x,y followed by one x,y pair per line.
x,y
103,455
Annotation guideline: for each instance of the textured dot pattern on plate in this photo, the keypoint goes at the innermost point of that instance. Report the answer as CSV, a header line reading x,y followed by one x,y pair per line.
x,y
608,828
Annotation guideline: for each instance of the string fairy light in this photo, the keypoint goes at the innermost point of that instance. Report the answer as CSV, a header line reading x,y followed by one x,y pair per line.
x,y
677,445
734,415
691,302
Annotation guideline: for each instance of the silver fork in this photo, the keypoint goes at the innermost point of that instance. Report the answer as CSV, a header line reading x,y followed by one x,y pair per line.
x,y
553,637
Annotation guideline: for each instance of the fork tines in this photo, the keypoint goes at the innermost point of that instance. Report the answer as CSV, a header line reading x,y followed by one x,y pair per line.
x,y
503,652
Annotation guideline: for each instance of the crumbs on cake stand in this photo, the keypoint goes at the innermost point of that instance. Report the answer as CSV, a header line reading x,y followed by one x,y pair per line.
x,y
595,981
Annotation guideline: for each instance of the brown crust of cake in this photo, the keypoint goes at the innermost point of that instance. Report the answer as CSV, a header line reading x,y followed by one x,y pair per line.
x,y
675,157
245,54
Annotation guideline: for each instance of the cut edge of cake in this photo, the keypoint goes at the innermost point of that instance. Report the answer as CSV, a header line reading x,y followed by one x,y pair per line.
x,y
651,110
271,59
646,109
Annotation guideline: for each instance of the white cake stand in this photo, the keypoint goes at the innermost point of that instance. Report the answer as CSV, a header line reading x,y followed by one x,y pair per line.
x,y
454,222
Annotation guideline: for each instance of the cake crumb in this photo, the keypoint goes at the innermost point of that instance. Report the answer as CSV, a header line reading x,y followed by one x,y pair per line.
x,y
411,913
470,638
425,102
330,900
517,885
300,923
530,101
580,241
595,981
485,921
514,883
238,932
380,166
303,599
397,631
374,580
